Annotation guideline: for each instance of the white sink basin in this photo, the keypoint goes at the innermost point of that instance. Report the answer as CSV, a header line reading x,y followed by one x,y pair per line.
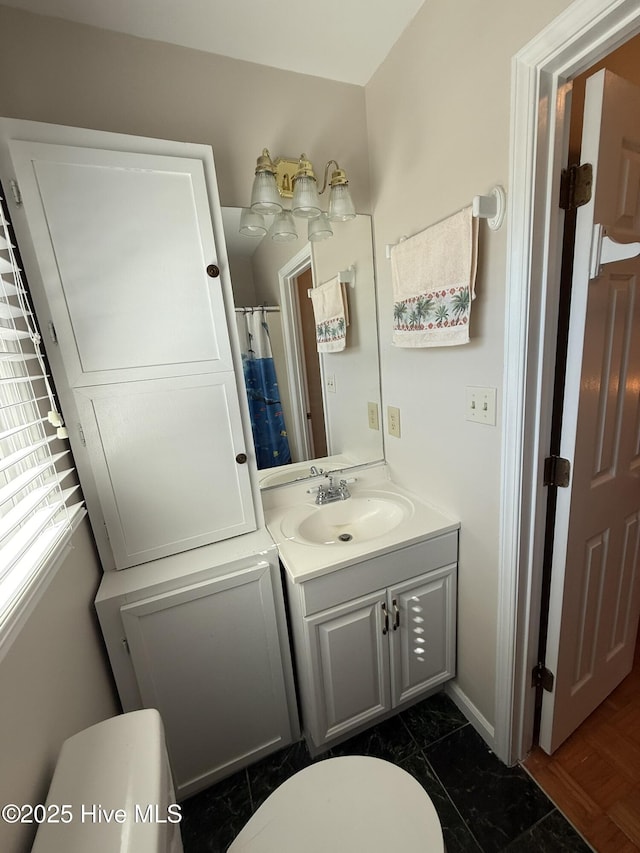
x,y
361,518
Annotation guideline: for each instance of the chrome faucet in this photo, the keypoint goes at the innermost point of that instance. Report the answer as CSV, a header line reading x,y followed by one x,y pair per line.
x,y
315,472
332,492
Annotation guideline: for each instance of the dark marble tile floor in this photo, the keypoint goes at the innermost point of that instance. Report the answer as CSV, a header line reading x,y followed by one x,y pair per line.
x,y
483,806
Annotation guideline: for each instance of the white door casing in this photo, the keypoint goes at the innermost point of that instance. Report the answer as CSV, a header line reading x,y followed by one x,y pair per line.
x,y
595,599
299,428
580,36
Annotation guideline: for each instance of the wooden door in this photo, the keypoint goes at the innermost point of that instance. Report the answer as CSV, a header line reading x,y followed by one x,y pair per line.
x,y
312,372
350,662
595,592
423,635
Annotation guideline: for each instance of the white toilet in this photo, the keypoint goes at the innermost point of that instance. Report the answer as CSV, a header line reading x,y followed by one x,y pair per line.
x,y
119,764
339,804
343,805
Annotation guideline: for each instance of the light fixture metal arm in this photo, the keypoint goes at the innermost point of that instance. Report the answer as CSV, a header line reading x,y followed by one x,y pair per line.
x,y
338,176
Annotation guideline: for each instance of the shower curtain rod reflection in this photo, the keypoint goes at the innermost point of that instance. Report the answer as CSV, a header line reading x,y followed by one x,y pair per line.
x,y
251,310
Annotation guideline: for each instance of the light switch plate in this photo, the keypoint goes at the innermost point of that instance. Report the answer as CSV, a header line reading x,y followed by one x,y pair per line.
x,y
331,382
481,405
374,421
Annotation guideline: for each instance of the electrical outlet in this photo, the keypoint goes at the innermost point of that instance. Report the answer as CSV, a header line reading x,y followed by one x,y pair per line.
x,y
481,405
374,422
393,421
331,382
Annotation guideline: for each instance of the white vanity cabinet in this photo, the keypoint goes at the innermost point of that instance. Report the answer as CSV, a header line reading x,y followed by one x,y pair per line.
x,y
373,637
207,646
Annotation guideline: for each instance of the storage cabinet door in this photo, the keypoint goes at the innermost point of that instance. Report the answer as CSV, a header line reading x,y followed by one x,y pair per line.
x,y
163,453
208,658
350,663
423,633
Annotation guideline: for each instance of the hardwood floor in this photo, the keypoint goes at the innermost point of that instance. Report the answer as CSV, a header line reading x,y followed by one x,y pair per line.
x,y
594,777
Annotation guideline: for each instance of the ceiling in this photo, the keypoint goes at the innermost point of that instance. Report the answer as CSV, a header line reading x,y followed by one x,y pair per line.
x,y
343,40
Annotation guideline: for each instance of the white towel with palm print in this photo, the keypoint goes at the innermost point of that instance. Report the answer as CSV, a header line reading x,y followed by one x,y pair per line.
x,y
433,279
331,315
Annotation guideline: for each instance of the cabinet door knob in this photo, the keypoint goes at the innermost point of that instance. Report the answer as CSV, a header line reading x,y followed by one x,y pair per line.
x,y
213,271
385,627
396,615
241,458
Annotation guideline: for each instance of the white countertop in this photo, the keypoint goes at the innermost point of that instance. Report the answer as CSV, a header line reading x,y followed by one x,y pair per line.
x,y
304,561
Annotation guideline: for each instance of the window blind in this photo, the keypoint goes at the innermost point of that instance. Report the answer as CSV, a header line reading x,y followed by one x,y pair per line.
x,y
39,495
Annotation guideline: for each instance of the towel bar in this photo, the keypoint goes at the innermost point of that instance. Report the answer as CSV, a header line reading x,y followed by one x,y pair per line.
x,y
346,277
490,207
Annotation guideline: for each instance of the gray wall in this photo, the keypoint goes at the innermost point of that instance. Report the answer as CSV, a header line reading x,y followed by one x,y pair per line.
x,y
65,73
438,113
54,681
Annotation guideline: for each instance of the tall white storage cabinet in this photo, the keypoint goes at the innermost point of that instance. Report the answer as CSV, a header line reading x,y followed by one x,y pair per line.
x,y
202,637
124,252
131,284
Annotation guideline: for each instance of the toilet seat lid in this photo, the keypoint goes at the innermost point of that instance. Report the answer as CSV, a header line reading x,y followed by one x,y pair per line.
x,y
344,804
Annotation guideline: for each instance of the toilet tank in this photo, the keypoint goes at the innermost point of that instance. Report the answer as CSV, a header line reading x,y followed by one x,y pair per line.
x,y
112,791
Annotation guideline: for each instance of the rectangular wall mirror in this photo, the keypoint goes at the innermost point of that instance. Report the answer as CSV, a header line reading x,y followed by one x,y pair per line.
x,y
323,408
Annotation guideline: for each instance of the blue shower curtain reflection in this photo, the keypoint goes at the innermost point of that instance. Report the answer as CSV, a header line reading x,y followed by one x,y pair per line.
x,y
265,409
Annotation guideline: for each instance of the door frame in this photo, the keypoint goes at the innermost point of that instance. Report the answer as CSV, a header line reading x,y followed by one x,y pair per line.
x,y
296,376
540,104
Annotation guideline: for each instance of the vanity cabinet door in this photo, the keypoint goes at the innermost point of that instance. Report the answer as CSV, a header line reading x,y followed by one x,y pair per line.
x,y
208,657
423,613
350,665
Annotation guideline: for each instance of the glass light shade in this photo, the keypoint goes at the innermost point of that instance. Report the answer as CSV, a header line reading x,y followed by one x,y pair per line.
x,y
306,202
252,224
284,229
265,197
341,205
320,228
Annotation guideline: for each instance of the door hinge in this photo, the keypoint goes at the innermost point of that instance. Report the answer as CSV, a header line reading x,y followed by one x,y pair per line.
x,y
575,186
557,471
15,190
542,677
83,440
52,333
126,646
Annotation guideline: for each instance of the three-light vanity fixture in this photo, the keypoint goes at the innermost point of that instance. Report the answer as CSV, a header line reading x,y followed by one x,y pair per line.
x,y
279,179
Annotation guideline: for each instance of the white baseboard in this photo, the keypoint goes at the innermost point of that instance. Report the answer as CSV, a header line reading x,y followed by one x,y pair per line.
x,y
466,706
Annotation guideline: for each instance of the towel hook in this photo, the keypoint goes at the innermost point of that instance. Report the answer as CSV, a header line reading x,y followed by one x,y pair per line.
x,y
491,207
